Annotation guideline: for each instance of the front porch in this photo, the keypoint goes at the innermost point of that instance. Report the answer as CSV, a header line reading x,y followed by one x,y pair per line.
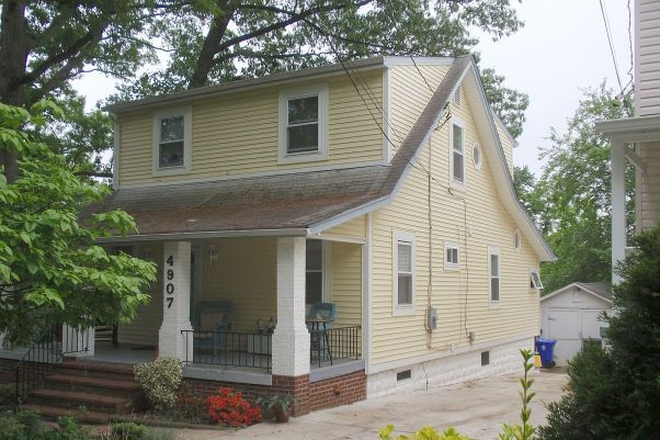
x,y
243,308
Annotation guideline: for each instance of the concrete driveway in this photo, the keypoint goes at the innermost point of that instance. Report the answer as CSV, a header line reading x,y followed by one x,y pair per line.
x,y
476,409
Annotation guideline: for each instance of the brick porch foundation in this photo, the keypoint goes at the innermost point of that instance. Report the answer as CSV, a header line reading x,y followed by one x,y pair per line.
x,y
7,370
310,396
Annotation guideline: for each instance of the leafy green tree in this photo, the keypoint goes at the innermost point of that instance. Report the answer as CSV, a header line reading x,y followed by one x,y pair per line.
x,y
571,201
509,104
51,270
613,393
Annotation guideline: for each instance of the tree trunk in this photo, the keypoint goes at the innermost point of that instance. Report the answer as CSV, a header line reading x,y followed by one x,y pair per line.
x,y
13,53
210,48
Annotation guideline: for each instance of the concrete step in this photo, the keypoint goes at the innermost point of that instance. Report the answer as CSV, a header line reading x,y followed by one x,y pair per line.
x,y
110,387
72,400
53,412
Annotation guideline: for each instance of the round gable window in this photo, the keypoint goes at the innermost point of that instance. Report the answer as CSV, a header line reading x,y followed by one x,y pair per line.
x,y
476,155
516,240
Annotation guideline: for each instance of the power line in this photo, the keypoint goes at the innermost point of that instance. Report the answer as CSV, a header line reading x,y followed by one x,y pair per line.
x,y
608,32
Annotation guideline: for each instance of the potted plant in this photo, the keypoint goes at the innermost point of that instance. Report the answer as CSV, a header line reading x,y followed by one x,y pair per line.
x,y
279,405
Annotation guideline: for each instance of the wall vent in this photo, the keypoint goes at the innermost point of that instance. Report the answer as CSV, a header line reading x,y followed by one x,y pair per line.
x,y
485,358
403,375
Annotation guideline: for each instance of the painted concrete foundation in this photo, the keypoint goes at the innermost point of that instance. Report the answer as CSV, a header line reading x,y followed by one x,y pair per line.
x,y
450,369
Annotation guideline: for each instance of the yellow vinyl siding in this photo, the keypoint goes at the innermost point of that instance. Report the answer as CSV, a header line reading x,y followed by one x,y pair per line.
x,y
246,274
649,186
347,283
352,228
476,223
507,145
238,133
409,94
143,330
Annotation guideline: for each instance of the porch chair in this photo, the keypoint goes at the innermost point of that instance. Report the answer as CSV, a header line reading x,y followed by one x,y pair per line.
x,y
212,316
319,338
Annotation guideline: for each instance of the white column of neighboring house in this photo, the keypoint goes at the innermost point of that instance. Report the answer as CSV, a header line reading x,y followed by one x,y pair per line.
x,y
172,339
291,337
618,159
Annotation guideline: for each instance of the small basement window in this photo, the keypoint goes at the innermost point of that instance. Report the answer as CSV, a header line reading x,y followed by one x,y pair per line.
x,y
403,375
485,358
535,280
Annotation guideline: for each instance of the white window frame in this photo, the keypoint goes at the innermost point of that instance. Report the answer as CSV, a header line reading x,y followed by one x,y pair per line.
x,y
453,182
186,112
321,153
477,148
518,248
494,250
399,237
326,271
449,265
533,284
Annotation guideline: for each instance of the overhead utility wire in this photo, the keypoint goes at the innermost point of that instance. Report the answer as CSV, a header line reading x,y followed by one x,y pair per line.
x,y
608,32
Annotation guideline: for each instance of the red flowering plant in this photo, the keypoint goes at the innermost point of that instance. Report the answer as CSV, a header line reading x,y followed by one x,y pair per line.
x,y
229,408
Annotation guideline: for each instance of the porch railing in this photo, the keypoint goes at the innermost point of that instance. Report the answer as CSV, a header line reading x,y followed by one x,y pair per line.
x,y
334,344
235,349
48,350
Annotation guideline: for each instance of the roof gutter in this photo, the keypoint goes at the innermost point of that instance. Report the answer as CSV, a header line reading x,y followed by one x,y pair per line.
x,y
179,236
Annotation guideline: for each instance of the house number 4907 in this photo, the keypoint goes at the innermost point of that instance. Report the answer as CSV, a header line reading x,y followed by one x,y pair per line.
x,y
169,287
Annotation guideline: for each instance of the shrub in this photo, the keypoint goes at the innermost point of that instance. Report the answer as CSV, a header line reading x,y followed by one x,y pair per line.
x,y
228,408
160,380
613,393
128,431
190,406
28,426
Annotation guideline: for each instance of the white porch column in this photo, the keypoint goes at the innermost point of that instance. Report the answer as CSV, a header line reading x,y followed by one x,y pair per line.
x,y
618,160
291,337
78,342
176,301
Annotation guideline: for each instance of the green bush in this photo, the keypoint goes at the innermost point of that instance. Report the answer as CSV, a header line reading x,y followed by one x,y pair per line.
x,y
613,393
160,380
28,426
128,431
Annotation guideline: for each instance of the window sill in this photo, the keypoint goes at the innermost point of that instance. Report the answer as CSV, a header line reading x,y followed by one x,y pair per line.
x,y
452,267
457,184
313,156
494,304
407,310
171,171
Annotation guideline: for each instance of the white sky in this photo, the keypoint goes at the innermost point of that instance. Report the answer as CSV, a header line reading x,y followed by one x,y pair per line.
x,y
561,49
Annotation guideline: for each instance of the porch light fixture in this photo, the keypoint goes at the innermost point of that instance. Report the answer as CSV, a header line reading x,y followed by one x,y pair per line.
x,y
212,253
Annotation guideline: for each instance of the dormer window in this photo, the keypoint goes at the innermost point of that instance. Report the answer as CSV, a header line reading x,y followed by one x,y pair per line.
x,y
303,124
172,141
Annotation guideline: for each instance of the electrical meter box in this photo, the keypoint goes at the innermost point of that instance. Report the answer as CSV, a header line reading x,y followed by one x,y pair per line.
x,y
431,318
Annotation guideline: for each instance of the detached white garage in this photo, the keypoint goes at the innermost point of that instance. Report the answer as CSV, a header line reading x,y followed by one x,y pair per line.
x,y
571,315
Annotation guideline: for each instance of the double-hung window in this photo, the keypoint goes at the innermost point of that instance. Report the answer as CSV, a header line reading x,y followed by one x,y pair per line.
x,y
172,139
494,274
314,273
457,158
303,124
404,261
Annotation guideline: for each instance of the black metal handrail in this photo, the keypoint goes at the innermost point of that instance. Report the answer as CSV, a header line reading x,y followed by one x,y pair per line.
x,y
48,350
234,349
330,345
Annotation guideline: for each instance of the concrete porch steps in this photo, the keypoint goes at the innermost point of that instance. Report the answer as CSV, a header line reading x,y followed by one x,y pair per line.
x,y
103,390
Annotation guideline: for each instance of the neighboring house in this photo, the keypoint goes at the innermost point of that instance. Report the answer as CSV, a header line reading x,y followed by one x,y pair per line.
x,y
388,193
638,138
571,315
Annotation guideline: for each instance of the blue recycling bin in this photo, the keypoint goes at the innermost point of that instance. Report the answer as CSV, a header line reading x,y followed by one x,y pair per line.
x,y
546,348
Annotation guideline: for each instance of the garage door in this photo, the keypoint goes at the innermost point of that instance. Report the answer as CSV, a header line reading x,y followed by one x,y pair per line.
x,y
564,326
570,327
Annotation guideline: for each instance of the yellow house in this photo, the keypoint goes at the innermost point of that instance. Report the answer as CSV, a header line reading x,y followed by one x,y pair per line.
x,y
336,233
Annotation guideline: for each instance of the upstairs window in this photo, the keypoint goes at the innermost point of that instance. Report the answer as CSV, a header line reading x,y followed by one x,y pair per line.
x,y
494,273
172,138
303,124
457,158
